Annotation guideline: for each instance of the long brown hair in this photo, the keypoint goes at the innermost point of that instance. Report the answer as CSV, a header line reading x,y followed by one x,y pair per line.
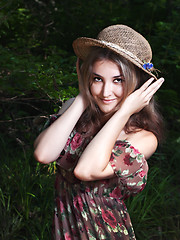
x,y
91,120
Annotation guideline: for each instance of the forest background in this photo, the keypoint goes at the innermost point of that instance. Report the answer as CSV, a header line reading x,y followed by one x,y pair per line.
x,y
37,73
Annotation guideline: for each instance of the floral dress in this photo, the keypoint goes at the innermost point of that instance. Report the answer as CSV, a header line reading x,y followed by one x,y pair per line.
x,y
95,210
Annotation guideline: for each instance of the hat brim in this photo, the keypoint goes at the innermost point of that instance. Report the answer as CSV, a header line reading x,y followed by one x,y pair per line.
x,y
82,47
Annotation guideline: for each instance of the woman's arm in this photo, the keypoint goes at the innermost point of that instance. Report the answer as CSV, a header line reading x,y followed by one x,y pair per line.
x,y
93,163
64,107
51,142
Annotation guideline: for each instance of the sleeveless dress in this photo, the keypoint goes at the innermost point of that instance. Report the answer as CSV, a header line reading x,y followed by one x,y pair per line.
x,y
95,210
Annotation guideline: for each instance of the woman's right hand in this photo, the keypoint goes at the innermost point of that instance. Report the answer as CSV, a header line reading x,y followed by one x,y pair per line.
x,y
140,98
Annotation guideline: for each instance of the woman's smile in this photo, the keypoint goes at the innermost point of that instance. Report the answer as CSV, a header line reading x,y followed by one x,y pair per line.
x,y
108,101
107,85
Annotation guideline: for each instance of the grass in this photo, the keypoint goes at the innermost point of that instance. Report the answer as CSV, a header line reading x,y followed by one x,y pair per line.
x,y
155,212
26,197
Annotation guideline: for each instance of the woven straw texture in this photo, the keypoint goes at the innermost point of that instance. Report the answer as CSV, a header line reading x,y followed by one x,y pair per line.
x,y
121,39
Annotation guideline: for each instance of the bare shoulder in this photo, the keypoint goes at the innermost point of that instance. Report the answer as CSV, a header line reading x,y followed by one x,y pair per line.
x,y
145,141
66,105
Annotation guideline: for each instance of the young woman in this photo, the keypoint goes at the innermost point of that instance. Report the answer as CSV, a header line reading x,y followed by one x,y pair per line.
x,y
102,138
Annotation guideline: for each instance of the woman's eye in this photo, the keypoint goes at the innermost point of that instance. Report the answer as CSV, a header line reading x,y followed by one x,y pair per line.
x,y
97,79
118,80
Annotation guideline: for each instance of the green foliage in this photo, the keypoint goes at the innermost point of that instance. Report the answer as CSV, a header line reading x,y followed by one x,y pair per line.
x,y
154,212
26,195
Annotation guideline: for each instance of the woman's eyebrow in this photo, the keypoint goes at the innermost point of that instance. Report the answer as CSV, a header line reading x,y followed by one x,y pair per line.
x,y
118,76
112,77
97,74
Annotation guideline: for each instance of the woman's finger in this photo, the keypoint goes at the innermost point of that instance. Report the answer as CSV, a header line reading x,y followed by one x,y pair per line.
x,y
152,89
146,84
150,94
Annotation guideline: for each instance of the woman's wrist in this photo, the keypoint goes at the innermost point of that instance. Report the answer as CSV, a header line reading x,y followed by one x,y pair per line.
x,y
124,113
81,101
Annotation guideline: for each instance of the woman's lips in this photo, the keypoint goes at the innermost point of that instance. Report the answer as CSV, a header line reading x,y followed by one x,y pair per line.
x,y
107,101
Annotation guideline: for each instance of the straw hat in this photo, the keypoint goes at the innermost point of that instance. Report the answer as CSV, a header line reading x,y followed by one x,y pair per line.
x,y
122,40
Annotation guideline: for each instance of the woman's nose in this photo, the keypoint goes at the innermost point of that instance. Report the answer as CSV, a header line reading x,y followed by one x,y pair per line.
x,y
106,91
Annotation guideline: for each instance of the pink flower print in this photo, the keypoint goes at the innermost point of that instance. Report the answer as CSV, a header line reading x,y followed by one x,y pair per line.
x,y
60,205
121,144
116,193
142,174
88,189
76,141
109,218
67,236
142,187
120,224
74,232
99,221
135,151
92,202
127,160
78,203
67,144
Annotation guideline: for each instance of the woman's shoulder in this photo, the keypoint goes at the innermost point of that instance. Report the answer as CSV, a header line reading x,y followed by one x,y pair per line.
x,y
143,140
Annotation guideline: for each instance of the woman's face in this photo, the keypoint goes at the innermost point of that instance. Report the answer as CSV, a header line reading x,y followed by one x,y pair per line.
x,y
107,85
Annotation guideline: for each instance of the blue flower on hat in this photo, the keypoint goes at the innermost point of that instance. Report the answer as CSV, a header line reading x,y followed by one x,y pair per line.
x,y
148,66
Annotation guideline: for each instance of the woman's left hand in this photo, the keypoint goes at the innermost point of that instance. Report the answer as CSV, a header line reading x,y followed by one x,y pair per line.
x,y
140,98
